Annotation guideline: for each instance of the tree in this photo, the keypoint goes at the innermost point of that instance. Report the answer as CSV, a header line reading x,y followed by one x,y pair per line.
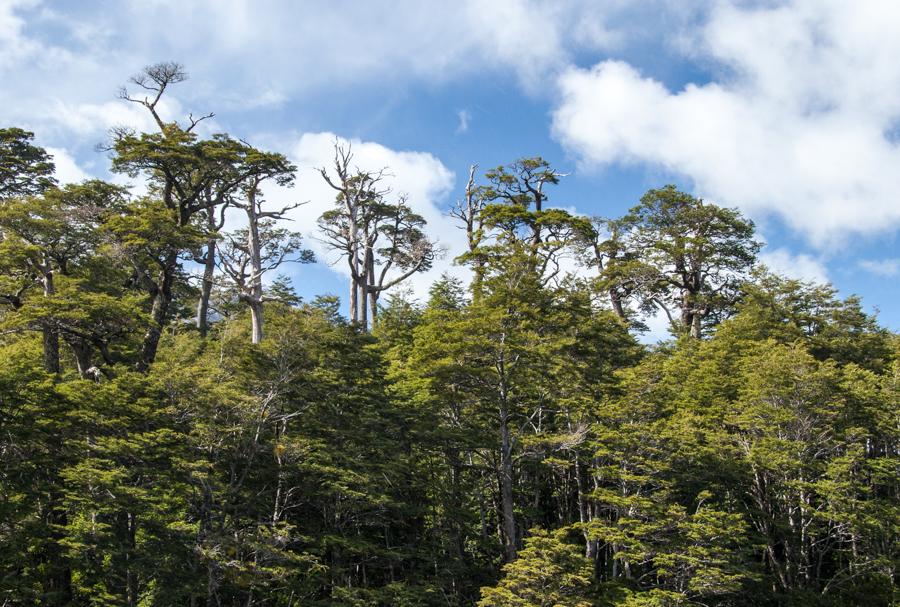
x,y
374,235
57,238
549,572
676,252
191,176
25,169
247,255
469,212
510,211
521,184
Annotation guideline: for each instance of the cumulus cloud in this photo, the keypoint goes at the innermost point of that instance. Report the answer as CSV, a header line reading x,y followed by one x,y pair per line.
x,y
798,123
68,60
67,170
420,175
801,266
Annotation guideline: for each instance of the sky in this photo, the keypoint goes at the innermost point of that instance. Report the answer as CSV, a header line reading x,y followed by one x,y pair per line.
x,y
788,111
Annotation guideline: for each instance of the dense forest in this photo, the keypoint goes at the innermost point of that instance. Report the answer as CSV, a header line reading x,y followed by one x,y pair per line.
x,y
178,427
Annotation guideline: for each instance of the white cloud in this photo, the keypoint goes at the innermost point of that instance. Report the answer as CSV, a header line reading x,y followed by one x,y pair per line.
x,y
887,268
801,266
68,61
67,171
794,125
420,175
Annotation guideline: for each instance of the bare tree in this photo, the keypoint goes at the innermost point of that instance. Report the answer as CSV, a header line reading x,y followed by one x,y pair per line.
x,y
384,242
468,211
246,255
154,80
344,226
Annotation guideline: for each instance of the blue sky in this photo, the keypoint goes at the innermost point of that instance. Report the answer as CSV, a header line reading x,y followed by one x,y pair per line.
x,y
786,110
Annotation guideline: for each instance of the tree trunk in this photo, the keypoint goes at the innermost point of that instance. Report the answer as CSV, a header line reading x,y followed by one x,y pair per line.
x,y
373,306
159,313
83,353
353,305
695,325
50,334
209,268
506,488
363,306
374,290
256,290
617,306
256,320
354,264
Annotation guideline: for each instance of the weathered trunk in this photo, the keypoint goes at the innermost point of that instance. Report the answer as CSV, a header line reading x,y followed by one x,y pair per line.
x,y
256,321
159,312
373,290
373,306
363,306
50,334
354,264
617,306
209,268
690,320
353,305
506,488
695,325
256,290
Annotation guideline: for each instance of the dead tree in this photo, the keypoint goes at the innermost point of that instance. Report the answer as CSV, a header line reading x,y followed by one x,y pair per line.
x,y
246,255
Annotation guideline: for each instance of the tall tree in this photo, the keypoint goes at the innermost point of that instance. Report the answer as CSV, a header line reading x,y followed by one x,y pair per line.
x,y
246,255
59,241
25,169
384,242
682,256
264,247
190,175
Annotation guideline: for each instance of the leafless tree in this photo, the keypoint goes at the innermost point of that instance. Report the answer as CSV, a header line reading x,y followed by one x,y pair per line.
x,y
246,255
383,242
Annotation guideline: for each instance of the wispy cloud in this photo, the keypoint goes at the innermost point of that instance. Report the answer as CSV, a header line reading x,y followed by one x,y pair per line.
x,y
464,118
888,268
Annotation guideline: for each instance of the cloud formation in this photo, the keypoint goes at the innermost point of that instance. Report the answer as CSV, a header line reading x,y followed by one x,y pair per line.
x,y
799,122
801,266
68,60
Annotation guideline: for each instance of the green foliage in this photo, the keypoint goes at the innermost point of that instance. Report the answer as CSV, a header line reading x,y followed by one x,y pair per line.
x,y
509,445
676,252
548,572
25,169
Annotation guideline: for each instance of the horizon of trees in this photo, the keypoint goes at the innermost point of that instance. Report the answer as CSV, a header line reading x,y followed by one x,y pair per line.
x,y
177,427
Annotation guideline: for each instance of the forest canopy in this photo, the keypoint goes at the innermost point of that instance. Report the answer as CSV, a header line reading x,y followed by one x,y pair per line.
x,y
179,427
